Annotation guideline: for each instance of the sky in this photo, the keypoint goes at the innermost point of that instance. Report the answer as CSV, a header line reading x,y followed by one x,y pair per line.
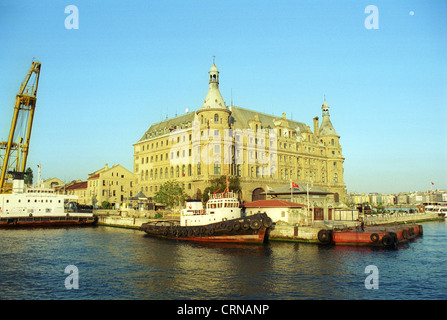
x,y
130,64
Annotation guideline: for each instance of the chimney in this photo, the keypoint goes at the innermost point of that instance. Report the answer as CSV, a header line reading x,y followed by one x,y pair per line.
x,y
316,127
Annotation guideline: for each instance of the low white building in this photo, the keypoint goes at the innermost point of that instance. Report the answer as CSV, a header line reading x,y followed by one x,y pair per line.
x,y
279,210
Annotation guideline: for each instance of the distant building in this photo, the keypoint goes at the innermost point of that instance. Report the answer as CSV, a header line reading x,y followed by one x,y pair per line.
x,y
53,183
262,150
79,189
111,185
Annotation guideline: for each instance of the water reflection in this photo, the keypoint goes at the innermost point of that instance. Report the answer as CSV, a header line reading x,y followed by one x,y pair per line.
x,y
127,264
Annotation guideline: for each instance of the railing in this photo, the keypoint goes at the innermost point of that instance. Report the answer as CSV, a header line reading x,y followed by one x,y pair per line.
x,y
399,217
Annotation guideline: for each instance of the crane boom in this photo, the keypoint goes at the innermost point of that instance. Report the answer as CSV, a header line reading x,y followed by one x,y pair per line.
x,y
17,147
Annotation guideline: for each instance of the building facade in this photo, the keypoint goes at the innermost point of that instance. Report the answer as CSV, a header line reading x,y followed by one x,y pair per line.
x,y
264,151
78,189
110,184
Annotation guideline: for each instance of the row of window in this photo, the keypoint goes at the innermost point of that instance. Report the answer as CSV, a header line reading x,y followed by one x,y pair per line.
x,y
94,183
155,188
35,201
255,172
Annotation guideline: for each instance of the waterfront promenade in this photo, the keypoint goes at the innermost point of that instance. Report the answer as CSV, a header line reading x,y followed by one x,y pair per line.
x,y
281,232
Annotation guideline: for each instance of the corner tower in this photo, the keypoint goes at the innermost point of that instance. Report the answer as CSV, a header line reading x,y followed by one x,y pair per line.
x,y
214,118
335,159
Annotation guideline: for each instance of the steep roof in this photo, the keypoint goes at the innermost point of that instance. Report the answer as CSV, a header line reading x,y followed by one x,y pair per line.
x,y
77,185
242,116
168,125
327,129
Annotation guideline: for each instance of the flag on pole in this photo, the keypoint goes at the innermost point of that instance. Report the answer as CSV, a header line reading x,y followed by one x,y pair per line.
x,y
294,185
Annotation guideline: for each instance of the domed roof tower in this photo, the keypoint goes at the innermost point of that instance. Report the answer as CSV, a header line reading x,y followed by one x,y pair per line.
x,y
213,99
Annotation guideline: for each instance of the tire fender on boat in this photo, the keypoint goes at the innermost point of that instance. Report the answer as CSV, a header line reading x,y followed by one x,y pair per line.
x,y
390,240
267,222
324,236
222,225
374,237
255,224
236,225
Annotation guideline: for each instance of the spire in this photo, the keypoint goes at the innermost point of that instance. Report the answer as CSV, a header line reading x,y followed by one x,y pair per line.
x,y
325,107
213,98
326,129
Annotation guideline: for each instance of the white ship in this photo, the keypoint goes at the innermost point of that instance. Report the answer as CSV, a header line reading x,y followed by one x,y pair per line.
x,y
38,206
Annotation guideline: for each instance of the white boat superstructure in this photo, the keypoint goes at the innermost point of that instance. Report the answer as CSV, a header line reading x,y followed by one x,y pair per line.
x,y
220,207
439,208
37,205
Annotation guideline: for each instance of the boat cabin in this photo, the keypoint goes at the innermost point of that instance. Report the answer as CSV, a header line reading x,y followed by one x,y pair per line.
x,y
220,207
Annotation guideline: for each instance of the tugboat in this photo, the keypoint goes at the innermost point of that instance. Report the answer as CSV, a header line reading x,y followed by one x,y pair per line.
x,y
38,207
221,221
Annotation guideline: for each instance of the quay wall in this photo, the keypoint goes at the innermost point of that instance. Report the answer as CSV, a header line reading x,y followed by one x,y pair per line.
x,y
123,222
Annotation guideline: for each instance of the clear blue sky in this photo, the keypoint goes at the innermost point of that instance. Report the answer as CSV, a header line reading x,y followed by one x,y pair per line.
x,y
132,63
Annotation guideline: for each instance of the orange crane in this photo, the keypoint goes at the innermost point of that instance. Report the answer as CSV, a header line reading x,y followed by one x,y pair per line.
x,y
16,148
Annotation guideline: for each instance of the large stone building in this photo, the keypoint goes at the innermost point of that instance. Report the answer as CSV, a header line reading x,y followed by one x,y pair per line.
x,y
263,150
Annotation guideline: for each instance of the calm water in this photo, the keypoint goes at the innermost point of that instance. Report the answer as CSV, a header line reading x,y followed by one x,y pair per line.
x,y
126,264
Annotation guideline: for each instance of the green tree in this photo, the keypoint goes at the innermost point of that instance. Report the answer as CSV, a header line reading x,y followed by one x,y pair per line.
x,y
28,176
106,205
220,184
171,193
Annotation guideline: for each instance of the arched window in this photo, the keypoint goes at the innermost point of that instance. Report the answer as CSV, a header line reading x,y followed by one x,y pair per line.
x,y
216,118
177,171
